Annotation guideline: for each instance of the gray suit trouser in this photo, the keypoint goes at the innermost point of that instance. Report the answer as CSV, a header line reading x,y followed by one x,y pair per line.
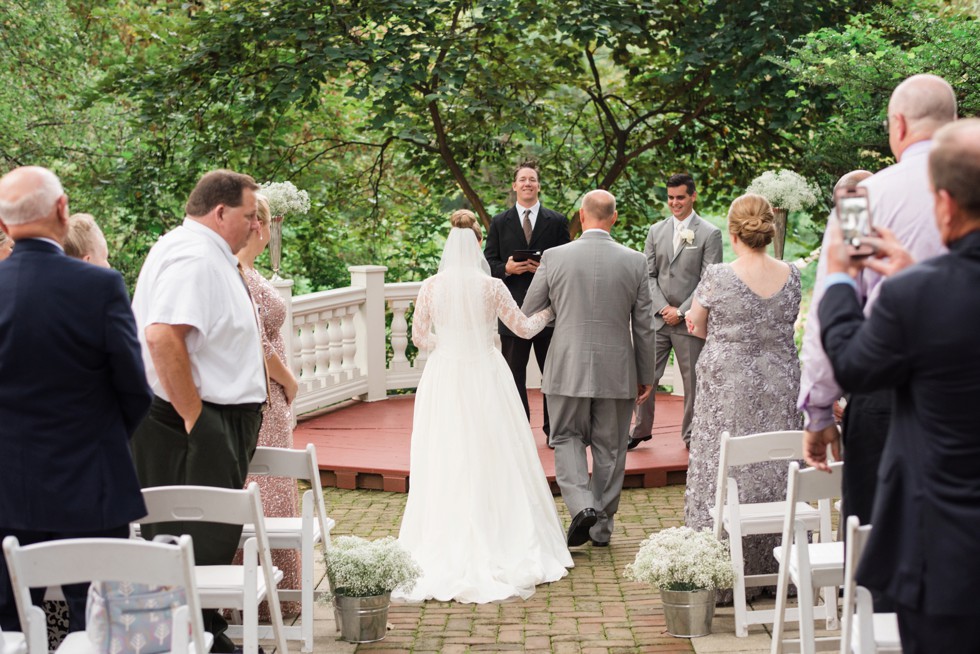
x,y
599,423
686,348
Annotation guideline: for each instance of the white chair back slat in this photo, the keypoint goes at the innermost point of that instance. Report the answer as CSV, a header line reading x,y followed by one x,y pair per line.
x,y
226,506
71,561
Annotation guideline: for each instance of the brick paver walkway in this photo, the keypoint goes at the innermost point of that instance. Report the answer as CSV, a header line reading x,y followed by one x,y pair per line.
x,y
594,610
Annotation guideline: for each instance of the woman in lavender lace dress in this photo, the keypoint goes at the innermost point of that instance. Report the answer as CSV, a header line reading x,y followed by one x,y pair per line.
x,y
749,371
279,494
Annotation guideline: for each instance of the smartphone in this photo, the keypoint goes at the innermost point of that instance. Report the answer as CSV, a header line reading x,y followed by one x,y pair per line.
x,y
854,214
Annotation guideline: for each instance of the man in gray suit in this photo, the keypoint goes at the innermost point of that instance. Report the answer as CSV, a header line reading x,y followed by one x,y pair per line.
x,y
603,327
678,251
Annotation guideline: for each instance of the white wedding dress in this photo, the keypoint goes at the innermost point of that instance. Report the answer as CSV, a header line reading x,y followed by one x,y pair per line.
x,y
480,518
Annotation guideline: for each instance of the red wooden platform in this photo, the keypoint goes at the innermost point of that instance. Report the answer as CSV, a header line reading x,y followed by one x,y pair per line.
x,y
366,445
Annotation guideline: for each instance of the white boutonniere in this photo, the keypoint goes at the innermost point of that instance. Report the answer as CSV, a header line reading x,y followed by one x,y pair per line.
x,y
687,235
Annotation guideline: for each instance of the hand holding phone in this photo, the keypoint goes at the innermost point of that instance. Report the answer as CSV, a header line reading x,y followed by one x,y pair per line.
x,y
854,214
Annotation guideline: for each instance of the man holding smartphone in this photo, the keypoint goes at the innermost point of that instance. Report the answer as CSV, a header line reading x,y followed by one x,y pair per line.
x,y
900,201
527,226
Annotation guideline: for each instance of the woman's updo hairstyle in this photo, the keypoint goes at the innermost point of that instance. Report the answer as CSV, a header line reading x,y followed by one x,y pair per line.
x,y
750,218
466,219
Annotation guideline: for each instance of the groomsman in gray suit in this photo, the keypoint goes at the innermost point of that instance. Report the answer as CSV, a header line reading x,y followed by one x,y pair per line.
x,y
603,327
678,251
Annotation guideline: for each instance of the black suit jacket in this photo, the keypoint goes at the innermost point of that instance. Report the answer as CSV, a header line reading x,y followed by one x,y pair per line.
x,y
507,234
72,390
923,340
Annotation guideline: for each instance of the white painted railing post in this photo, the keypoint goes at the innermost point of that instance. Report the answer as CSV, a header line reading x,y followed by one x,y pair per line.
x,y
369,325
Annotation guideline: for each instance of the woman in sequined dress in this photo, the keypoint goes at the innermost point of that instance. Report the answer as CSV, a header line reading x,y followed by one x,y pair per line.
x,y
279,494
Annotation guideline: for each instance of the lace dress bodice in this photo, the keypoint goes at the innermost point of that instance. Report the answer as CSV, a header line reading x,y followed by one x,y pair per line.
x,y
436,319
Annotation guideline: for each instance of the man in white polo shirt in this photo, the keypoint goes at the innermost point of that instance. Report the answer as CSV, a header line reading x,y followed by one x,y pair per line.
x,y
203,355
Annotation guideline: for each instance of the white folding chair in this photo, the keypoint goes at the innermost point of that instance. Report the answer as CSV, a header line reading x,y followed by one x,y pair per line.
x,y
866,632
809,566
740,519
12,642
300,533
238,587
104,559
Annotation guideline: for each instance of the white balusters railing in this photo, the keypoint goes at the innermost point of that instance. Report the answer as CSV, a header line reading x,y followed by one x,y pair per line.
x,y
401,372
336,341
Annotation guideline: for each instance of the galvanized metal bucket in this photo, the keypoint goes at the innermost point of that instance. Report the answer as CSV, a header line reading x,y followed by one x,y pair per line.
x,y
363,619
688,612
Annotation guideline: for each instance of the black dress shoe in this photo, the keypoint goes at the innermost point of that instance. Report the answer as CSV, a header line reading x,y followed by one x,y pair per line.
x,y
578,531
636,441
599,543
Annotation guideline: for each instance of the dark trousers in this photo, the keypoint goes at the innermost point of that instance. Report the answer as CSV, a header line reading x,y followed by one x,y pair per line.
x,y
864,430
216,453
929,634
863,434
76,595
516,352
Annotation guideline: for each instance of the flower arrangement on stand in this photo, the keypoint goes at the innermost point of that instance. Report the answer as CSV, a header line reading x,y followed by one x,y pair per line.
x,y
687,566
283,198
362,574
786,191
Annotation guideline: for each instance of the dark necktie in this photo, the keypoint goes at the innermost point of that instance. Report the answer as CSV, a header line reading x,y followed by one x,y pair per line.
x,y
527,226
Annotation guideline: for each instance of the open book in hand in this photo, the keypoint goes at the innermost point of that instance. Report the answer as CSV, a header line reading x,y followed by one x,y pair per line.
x,y
524,255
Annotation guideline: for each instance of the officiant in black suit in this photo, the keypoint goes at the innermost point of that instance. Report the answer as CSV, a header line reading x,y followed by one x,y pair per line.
x,y
525,226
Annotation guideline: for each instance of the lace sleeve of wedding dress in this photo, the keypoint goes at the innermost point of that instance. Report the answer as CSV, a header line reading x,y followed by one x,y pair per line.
x,y
511,315
422,334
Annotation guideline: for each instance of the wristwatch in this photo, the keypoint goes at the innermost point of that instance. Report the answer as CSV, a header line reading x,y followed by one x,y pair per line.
x,y
680,314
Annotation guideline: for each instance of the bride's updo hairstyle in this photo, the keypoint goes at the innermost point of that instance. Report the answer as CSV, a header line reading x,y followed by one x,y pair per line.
x,y
750,218
466,219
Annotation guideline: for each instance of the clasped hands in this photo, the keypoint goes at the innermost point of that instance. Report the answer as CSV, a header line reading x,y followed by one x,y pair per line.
x,y
520,267
670,316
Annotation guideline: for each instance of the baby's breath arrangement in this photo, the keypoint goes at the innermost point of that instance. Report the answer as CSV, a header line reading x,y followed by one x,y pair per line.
x,y
285,198
785,189
680,558
360,568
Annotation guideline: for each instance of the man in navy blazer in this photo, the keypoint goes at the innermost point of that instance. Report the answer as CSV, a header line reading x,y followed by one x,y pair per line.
x,y
72,387
922,341
525,226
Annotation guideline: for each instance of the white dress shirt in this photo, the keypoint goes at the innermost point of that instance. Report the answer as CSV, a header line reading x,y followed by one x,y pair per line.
x,y
533,216
191,278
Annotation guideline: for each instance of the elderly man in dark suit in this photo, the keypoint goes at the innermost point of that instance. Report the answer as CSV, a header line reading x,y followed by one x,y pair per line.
x,y
921,341
72,387
525,226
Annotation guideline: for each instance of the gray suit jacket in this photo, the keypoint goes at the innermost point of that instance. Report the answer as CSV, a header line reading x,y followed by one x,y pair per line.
x,y
603,344
675,275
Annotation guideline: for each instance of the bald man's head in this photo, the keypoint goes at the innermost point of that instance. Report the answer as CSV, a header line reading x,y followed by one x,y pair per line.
x,y
28,194
926,101
852,178
598,210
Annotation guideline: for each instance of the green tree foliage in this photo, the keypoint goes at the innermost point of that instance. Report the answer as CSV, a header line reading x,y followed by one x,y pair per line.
x,y
614,94
393,112
857,65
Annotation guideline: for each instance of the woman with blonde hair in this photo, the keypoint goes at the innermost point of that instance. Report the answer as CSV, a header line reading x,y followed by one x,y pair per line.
x,y
480,518
748,372
279,494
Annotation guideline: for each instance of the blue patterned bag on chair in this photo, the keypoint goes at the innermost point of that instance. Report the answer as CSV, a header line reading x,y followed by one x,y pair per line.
x,y
128,618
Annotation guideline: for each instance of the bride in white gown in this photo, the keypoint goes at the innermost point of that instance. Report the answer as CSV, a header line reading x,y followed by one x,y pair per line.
x,y
480,519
